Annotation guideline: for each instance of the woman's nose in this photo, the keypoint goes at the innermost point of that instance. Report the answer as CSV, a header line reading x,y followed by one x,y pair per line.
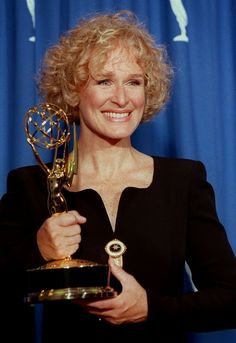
x,y
120,96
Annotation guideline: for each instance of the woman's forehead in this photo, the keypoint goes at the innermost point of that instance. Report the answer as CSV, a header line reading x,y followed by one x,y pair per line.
x,y
116,56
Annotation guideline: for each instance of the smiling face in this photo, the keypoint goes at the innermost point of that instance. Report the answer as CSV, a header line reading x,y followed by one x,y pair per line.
x,y
112,102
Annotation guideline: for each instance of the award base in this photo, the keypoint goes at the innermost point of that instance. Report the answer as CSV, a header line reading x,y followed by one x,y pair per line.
x,y
68,279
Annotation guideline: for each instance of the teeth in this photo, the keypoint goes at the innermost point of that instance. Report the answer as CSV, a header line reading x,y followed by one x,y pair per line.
x,y
116,115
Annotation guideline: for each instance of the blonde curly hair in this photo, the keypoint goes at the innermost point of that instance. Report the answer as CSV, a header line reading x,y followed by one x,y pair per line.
x,y
67,66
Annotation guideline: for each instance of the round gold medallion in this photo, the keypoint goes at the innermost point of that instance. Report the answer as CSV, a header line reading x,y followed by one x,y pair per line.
x,y
116,249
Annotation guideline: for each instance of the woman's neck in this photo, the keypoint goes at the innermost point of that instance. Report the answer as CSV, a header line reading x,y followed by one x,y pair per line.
x,y
106,159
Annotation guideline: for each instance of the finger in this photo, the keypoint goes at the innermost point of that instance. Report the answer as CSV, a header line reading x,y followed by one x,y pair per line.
x,y
100,305
71,231
72,240
69,218
69,250
117,271
80,219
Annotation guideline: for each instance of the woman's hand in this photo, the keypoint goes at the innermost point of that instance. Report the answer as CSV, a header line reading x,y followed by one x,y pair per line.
x,y
130,306
59,236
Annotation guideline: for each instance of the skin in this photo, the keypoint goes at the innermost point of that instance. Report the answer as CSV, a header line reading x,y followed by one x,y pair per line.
x,y
128,307
119,89
111,108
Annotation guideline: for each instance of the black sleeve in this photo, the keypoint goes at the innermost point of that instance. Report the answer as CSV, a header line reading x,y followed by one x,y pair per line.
x,y
22,211
213,266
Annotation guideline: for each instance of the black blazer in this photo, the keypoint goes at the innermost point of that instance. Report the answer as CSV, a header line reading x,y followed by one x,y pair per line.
x,y
172,221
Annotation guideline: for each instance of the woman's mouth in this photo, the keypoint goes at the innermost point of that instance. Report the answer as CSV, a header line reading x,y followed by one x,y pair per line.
x,y
115,115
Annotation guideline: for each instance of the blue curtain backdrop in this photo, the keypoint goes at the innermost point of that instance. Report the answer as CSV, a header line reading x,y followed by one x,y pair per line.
x,y
200,120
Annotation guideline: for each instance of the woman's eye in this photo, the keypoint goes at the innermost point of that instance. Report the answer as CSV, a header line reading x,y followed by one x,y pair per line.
x,y
104,82
134,82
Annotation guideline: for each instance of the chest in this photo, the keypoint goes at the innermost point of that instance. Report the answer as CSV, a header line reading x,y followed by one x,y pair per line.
x,y
110,191
147,223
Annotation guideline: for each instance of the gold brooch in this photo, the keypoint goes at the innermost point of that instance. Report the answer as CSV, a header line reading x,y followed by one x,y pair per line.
x,y
116,249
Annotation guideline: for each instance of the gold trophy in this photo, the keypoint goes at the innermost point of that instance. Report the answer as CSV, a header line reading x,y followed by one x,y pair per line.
x,y
47,127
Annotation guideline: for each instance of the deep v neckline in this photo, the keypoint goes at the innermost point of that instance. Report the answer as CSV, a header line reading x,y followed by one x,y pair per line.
x,y
113,223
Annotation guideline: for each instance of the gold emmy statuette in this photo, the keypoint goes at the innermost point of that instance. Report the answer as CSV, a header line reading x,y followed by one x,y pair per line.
x,y
47,128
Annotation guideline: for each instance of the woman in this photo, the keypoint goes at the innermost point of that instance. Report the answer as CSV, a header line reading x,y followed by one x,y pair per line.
x,y
110,76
